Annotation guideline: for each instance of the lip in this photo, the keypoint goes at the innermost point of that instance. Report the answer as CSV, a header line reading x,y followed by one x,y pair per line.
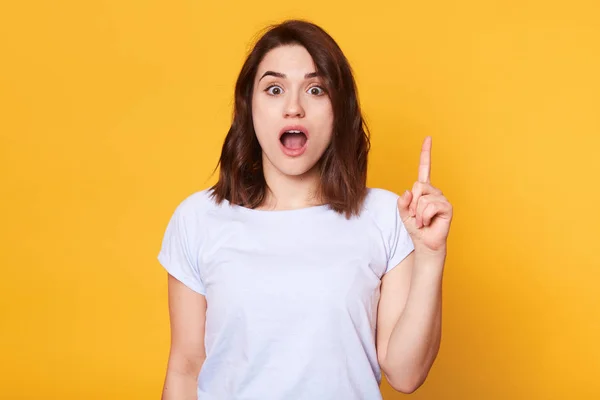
x,y
294,128
294,152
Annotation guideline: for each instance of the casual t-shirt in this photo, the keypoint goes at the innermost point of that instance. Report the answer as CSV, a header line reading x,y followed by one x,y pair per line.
x,y
291,295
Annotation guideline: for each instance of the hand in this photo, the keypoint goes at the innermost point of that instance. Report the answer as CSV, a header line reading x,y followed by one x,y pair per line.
x,y
425,212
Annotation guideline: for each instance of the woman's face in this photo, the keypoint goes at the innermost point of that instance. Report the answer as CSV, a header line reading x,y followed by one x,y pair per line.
x,y
291,112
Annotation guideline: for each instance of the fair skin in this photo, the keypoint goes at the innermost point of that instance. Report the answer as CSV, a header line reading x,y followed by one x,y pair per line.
x,y
187,310
286,92
410,309
409,314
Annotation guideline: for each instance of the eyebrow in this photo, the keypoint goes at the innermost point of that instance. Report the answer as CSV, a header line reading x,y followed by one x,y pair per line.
x,y
283,76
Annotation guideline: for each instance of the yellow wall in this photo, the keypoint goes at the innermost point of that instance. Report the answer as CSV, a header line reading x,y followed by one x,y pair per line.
x,y
113,111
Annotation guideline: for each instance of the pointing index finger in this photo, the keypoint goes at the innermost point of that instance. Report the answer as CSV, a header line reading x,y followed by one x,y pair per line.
x,y
425,161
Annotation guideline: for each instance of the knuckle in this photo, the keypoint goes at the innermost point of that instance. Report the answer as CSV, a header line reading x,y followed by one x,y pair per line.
x,y
428,209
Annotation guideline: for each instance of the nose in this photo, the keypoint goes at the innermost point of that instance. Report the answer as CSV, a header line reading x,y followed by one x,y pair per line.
x,y
293,107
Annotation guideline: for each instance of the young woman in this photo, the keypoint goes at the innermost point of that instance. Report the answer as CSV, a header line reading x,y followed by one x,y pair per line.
x,y
289,278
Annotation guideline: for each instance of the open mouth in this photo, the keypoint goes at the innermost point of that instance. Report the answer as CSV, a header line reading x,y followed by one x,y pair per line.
x,y
293,139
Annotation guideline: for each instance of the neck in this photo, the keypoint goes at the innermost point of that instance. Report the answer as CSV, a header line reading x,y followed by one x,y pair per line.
x,y
285,192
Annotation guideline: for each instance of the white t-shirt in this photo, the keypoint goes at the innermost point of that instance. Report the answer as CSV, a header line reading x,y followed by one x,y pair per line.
x,y
291,295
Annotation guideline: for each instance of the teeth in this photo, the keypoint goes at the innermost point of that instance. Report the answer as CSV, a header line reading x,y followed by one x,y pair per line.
x,y
294,131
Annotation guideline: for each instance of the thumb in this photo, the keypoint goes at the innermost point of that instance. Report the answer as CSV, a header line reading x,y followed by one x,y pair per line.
x,y
403,203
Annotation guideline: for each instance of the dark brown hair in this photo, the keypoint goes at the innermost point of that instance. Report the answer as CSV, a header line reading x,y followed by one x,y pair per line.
x,y
343,166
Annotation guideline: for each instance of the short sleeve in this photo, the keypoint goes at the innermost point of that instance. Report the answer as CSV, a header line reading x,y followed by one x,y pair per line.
x,y
179,250
399,241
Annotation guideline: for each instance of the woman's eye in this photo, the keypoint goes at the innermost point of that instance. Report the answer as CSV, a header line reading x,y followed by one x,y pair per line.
x,y
274,90
316,90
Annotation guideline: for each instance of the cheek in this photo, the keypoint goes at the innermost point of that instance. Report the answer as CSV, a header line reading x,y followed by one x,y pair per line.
x,y
325,118
260,117
264,108
265,122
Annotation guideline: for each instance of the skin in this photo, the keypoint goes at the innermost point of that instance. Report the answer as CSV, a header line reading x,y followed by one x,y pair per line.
x,y
187,311
280,101
409,314
410,308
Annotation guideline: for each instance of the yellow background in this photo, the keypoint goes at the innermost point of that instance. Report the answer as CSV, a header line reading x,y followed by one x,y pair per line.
x,y
113,111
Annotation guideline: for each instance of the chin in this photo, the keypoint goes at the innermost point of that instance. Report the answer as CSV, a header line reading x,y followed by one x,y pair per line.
x,y
294,170
294,167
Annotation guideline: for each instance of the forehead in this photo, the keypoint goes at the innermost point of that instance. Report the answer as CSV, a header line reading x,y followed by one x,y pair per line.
x,y
292,60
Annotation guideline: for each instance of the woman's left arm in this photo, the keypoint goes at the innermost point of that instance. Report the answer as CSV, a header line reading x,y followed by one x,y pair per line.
x,y
410,308
409,321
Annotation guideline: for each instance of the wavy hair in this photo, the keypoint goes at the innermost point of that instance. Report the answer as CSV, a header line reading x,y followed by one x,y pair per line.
x,y
343,166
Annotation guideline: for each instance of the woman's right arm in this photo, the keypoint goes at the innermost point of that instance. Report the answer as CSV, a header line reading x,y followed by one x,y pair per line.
x,y
187,313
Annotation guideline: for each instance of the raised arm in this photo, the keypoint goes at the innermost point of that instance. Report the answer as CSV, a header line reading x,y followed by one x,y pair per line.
x,y
410,309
